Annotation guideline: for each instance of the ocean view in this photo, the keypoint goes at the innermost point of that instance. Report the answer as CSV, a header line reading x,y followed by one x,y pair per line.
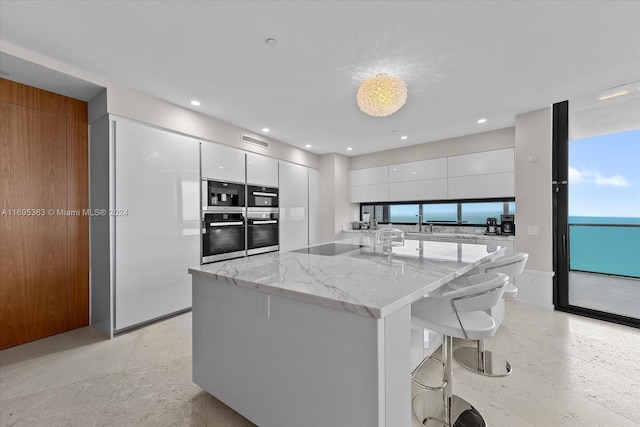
x,y
609,248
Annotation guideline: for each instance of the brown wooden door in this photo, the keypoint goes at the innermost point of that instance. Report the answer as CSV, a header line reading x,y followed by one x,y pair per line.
x,y
43,250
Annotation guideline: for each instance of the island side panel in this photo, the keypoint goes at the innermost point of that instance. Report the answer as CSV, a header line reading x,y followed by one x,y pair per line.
x,y
397,367
303,365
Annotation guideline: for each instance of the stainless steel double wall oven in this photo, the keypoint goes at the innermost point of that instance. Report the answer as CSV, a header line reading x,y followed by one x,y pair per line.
x,y
238,220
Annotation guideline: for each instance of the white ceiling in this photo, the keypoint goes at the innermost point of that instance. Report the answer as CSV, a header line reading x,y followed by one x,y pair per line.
x,y
462,61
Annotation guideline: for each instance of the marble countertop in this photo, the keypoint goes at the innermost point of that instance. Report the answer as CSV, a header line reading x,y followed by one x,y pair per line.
x,y
363,281
418,236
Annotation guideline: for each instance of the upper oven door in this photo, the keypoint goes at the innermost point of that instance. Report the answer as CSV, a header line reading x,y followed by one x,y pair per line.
x,y
218,195
262,197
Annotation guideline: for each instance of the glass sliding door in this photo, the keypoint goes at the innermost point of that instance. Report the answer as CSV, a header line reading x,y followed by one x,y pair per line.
x,y
597,179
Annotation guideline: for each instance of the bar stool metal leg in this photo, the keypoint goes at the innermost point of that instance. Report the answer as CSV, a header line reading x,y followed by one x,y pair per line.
x,y
482,361
454,411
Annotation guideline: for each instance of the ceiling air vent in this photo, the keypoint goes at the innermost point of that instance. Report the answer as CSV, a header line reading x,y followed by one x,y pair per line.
x,y
254,141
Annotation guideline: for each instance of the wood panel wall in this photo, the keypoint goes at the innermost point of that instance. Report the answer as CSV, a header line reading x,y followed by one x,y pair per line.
x,y
44,256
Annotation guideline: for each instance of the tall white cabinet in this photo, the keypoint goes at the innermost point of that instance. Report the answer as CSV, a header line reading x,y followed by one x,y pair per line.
x,y
294,206
149,184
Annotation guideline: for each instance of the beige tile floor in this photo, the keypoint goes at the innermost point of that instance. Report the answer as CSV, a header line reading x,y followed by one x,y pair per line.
x,y
568,371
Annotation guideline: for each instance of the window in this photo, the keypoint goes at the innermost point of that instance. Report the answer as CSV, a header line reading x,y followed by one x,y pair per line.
x,y
440,212
477,213
449,212
404,213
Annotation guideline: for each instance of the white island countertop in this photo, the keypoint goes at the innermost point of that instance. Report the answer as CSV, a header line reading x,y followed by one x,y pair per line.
x,y
362,280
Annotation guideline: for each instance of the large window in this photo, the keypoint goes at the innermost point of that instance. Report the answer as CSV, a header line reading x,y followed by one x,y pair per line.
x,y
450,212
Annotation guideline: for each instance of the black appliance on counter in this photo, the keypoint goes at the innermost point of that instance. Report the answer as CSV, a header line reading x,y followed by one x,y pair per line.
x,y
507,224
223,236
492,226
218,195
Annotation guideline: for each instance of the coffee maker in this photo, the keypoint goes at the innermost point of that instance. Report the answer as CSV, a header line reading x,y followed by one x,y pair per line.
x,y
507,224
492,226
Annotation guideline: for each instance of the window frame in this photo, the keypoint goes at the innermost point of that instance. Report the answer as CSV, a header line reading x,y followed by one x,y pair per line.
x,y
385,208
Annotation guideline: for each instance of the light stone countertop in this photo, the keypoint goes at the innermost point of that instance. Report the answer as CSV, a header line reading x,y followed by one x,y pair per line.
x,y
363,281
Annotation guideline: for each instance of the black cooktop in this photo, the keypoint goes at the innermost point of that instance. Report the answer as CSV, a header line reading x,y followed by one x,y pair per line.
x,y
329,249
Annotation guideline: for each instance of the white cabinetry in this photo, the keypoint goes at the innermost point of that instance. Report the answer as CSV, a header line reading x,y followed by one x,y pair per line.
x,y
370,185
294,205
314,207
262,170
468,176
418,171
222,163
423,180
157,230
487,174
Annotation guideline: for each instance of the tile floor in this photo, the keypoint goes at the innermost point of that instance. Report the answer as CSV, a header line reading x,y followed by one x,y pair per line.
x,y
568,371
611,294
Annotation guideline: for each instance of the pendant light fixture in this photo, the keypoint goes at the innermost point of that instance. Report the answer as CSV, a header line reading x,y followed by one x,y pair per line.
x,y
382,95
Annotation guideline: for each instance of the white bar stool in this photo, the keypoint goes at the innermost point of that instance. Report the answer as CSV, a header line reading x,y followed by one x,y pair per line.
x,y
458,313
478,359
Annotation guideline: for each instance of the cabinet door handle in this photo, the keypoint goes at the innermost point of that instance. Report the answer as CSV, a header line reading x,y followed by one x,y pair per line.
x,y
564,244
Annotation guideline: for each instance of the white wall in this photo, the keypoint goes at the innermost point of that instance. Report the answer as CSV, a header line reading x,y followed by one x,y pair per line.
x,y
335,209
534,205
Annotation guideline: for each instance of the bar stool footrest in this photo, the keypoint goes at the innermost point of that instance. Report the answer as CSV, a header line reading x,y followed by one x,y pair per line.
x,y
425,386
488,364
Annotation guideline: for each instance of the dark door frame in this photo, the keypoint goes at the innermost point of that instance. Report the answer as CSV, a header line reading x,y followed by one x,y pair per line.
x,y
561,247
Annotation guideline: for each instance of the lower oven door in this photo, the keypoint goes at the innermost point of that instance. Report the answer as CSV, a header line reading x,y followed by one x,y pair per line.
x,y
262,232
223,236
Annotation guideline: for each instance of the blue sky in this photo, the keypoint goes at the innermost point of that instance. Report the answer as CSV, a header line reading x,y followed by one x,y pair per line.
x,y
604,175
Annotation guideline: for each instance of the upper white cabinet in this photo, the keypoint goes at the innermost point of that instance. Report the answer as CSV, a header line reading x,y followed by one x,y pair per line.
x,y
370,184
487,174
368,176
426,189
370,193
488,162
262,170
489,185
416,171
423,180
222,163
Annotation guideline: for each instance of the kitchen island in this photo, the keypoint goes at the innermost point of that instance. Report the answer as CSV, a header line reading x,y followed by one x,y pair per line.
x,y
320,336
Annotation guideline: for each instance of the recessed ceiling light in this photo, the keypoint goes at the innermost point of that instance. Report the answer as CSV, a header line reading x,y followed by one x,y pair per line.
x,y
349,148
404,137
308,145
220,167
395,169
413,173
613,95
196,103
265,129
271,42
482,120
